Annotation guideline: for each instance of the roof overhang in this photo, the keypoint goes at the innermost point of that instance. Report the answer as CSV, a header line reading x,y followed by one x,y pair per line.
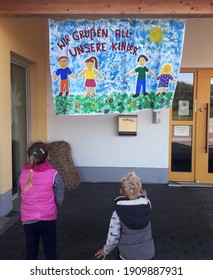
x,y
65,8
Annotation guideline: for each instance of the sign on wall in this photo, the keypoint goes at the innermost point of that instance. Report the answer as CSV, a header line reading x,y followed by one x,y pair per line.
x,y
114,66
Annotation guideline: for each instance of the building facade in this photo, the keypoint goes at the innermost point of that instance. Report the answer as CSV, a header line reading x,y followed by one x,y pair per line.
x,y
98,151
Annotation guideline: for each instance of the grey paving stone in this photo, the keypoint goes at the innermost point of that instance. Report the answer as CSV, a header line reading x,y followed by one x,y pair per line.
x,y
181,218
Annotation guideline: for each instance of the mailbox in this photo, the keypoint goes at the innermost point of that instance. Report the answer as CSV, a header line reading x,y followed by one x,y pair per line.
x,y
127,125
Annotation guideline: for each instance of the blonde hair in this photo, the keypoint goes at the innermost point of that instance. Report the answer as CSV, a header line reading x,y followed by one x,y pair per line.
x,y
163,71
131,186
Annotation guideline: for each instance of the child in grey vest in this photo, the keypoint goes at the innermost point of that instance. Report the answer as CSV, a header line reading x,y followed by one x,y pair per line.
x,y
130,228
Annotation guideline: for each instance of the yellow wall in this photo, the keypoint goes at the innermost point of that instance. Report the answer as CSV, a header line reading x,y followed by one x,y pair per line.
x,y
29,40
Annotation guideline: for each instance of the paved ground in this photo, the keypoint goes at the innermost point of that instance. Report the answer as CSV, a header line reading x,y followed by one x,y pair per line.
x,y
182,219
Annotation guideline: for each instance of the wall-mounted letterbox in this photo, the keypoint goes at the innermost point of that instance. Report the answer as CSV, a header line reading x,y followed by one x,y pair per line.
x,y
127,125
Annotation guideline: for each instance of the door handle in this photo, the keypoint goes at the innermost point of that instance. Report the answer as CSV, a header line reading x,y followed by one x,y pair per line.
x,y
207,128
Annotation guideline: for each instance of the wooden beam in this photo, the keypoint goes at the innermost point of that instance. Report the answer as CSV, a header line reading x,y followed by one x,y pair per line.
x,y
29,8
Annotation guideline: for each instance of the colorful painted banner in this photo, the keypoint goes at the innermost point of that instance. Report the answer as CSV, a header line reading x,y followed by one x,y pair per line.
x,y
114,66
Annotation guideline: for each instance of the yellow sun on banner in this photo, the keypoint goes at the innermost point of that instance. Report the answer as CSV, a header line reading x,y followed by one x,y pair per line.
x,y
158,35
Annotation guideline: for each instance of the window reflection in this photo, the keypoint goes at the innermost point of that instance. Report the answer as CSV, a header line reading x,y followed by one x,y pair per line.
x,y
181,148
182,108
210,163
19,120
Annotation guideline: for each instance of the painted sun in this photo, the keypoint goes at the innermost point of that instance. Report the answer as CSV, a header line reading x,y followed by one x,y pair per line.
x,y
157,35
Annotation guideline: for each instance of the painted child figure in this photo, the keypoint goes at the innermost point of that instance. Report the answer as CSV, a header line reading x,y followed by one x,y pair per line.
x,y
130,228
63,72
141,71
164,78
90,73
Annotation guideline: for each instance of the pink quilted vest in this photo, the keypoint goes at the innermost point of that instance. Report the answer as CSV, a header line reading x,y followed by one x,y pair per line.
x,y
38,202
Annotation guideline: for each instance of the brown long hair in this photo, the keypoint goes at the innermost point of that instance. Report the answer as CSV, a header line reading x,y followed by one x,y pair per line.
x,y
94,60
37,154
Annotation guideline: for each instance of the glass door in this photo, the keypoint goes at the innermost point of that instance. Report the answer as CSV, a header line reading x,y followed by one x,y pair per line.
x,y
19,77
204,131
182,132
191,127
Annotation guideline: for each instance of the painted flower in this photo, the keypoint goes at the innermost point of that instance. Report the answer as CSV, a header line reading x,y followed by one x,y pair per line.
x,y
77,105
93,105
111,100
132,104
161,100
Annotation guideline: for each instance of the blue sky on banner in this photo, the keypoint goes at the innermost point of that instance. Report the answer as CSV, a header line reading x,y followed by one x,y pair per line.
x,y
117,44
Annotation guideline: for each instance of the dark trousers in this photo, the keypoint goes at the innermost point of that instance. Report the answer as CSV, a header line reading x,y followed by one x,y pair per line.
x,y
47,231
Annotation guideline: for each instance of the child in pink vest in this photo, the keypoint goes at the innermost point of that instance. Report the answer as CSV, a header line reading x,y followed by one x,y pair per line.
x,y
42,192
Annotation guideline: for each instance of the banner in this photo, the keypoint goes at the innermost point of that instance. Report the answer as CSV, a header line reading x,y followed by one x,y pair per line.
x,y
114,65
